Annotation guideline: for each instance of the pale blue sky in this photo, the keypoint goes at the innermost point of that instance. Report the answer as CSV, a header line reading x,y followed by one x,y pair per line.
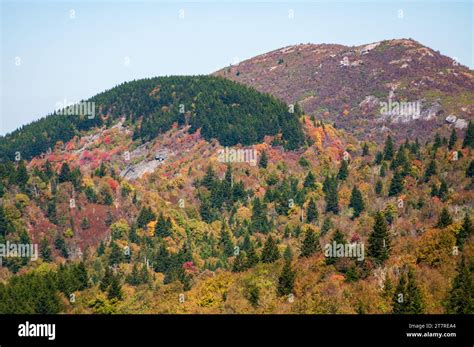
x,y
63,58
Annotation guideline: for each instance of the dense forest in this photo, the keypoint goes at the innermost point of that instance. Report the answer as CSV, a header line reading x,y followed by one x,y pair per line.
x,y
223,110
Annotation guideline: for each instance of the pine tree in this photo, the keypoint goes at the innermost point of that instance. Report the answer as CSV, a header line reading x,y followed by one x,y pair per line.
x,y
437,143
378,187
338,238
396,186
252,256
452,139
45,250
286,280
3,222
430,170
310,244
443,190
115,289
444,219
240,264
388,149
331,195
270,251
467,229
288,254
356,202
407,298
378,158
379,241
21,174
116,254
65,173
365,149
343,171
309,181
383,169
461,296
225,242
469,136
326,226
259,221
312,214
470,169
263,163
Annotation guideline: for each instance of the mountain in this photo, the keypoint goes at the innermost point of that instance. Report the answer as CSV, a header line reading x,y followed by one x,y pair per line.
x,y
197,194
346,85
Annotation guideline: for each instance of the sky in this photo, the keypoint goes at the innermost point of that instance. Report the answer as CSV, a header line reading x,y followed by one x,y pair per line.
x,y
61,52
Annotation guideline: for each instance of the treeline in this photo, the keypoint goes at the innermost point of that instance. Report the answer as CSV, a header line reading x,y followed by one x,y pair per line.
x,y
224,110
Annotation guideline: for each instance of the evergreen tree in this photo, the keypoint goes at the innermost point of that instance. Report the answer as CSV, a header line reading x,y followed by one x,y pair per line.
x,y
383,169
437,143
343,171
252,256
309,181
145,216
3,222
452,139
116,254
407,298
115,289
356,202
470,169
469,136
288,254
379,241
396,186
465,232
65,173
259,221
163,226
312,214
378,158
240,263
21,174
365,149
263,160
331,195
326,226
310,244
270,252
430,170
339,239
45,250
443,191
286,280
461,296
444,219
225,242
378,187
209,178
388,149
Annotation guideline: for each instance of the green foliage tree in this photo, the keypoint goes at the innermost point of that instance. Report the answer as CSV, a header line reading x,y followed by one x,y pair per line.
x,y
263,163
310,244
286,280
461,296
396,185
312,214
444,218
357,202
379,240
469,136
388,151
270,252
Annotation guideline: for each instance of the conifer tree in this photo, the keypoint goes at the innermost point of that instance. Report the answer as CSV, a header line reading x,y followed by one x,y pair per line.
x,y
310,244
379,241
225,242
263,163
469,136
288,254
115,289
388,149
378,187
312,214
270,251
331,195
259,221
338,238
396,186
430,170
467,229
365,149
326,226
444,219
65,173
3,222
21,175
343,171
286,280
240,263
356,202
470,169
461,296
452,139
45,250
309,181
443,191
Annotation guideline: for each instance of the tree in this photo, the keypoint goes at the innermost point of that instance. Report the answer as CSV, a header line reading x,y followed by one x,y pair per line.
x,y
443,190
240,263
145,216
339,239
286,280
288,254
259,221
163,226
21,174
326,226
65,173
365,149
396,186
310,244
444,219
430,170
343,171
469,136
309,181
263,160
3,222
115,288
383,169
388,149
461,298
225,242
407,298
270,251
45,250
470,169
379,241
356,202
378,187
465,232
452,139
312,214
331,195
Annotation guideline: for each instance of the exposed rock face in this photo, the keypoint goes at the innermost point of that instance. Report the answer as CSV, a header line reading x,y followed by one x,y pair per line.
x,y
457,122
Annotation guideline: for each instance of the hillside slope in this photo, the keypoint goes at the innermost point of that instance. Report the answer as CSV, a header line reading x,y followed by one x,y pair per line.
x,y
347,85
